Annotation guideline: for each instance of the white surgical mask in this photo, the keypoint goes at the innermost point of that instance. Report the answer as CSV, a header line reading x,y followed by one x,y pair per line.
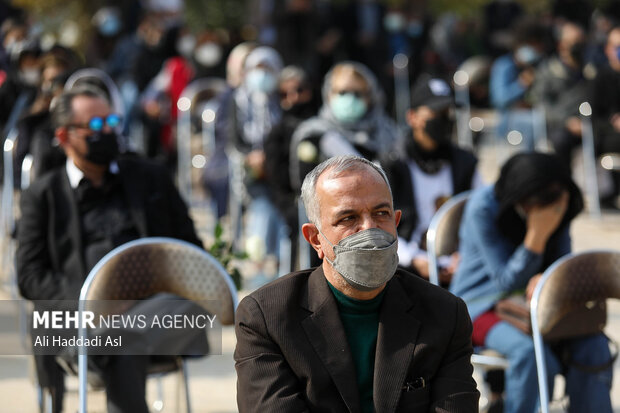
x,y
366,259
30,76
208,54
527,55
394,22
185,45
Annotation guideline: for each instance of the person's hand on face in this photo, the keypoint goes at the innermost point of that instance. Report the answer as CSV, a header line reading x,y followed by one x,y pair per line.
x,y
546,219
526,77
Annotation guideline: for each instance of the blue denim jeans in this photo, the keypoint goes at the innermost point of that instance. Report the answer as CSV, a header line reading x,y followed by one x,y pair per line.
x,y
587,392
265,221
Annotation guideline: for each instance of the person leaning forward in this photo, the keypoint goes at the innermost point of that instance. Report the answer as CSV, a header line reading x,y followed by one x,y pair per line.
x,y
355,334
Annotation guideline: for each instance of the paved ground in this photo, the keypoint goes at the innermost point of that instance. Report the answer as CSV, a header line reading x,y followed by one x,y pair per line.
x,y
213,378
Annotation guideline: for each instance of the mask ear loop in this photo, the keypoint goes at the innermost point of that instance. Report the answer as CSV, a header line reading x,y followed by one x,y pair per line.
x,y
330,243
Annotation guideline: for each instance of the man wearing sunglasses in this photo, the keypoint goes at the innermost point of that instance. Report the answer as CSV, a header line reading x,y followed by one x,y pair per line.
x,y
73,215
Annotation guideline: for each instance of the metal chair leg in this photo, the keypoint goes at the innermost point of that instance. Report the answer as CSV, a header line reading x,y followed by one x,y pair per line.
x,y
186,384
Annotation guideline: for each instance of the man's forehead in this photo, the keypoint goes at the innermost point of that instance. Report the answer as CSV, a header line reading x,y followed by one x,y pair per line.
x,y
90,106
348,182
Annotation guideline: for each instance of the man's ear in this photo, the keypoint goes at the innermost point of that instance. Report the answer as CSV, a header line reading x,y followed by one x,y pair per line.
x,y
62,134
311,234
397,216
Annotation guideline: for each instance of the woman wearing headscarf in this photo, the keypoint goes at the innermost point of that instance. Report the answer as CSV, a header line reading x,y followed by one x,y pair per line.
x,y
510,233
352,120
244,119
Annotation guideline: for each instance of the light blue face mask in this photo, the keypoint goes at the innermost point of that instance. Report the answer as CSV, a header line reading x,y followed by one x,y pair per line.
x,y
347,107
110,26
527,55
260,80
394,22
415,28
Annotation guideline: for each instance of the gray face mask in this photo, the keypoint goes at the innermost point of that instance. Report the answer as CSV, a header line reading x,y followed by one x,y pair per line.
x,y
366,259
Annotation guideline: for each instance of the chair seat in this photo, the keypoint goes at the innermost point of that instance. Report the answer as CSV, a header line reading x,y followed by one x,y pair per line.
x,y
488,358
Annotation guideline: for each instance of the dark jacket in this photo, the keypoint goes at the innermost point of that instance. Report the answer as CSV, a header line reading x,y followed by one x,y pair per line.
x,y
50,255
605,101
292,353
463,164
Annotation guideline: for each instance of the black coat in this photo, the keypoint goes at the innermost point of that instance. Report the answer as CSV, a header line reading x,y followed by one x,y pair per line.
x,y
50,255
292,353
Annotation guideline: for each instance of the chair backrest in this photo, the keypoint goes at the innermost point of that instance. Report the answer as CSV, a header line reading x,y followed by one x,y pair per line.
x,y
574,284
93,73
141,268
442,237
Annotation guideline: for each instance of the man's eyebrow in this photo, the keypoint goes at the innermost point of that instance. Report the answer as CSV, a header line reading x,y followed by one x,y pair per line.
x,y
383,205
345,212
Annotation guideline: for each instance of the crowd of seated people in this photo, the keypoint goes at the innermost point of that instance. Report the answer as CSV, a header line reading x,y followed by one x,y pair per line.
x,y
299,94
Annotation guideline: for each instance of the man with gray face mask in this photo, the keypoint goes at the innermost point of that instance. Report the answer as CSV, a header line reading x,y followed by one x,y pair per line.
x,y
355,334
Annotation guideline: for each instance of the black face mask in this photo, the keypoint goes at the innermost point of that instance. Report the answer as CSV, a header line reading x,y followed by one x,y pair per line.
x,y
301,110
439,129
577,52
102,147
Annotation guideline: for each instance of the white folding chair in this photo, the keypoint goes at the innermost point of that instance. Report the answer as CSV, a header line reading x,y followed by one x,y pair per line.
x,y
576,285
442,238
144,267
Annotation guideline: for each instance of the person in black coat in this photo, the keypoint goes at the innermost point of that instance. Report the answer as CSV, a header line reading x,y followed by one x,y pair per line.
x,y
75,214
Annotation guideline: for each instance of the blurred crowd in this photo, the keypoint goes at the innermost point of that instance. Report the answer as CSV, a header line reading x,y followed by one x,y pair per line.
x,y
315,79
302,81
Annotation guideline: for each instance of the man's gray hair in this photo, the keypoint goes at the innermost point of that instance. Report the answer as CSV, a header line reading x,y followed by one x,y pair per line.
x,y
62,112
296,73
336,166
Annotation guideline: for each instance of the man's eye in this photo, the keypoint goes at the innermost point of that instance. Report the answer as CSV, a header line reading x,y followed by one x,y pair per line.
x,y
347,219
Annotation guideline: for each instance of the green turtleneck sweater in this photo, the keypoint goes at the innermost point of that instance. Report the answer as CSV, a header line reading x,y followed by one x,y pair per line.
x,y
360,319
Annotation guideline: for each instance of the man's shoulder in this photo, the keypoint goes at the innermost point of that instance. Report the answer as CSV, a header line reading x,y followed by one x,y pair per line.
x,y
137,162
48,180
283,290
419,289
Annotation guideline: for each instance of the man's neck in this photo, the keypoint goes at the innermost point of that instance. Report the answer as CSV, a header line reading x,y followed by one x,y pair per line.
x,y
93,172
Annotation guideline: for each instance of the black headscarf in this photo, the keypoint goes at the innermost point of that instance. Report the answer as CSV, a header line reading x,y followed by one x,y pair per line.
x,y
532,174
